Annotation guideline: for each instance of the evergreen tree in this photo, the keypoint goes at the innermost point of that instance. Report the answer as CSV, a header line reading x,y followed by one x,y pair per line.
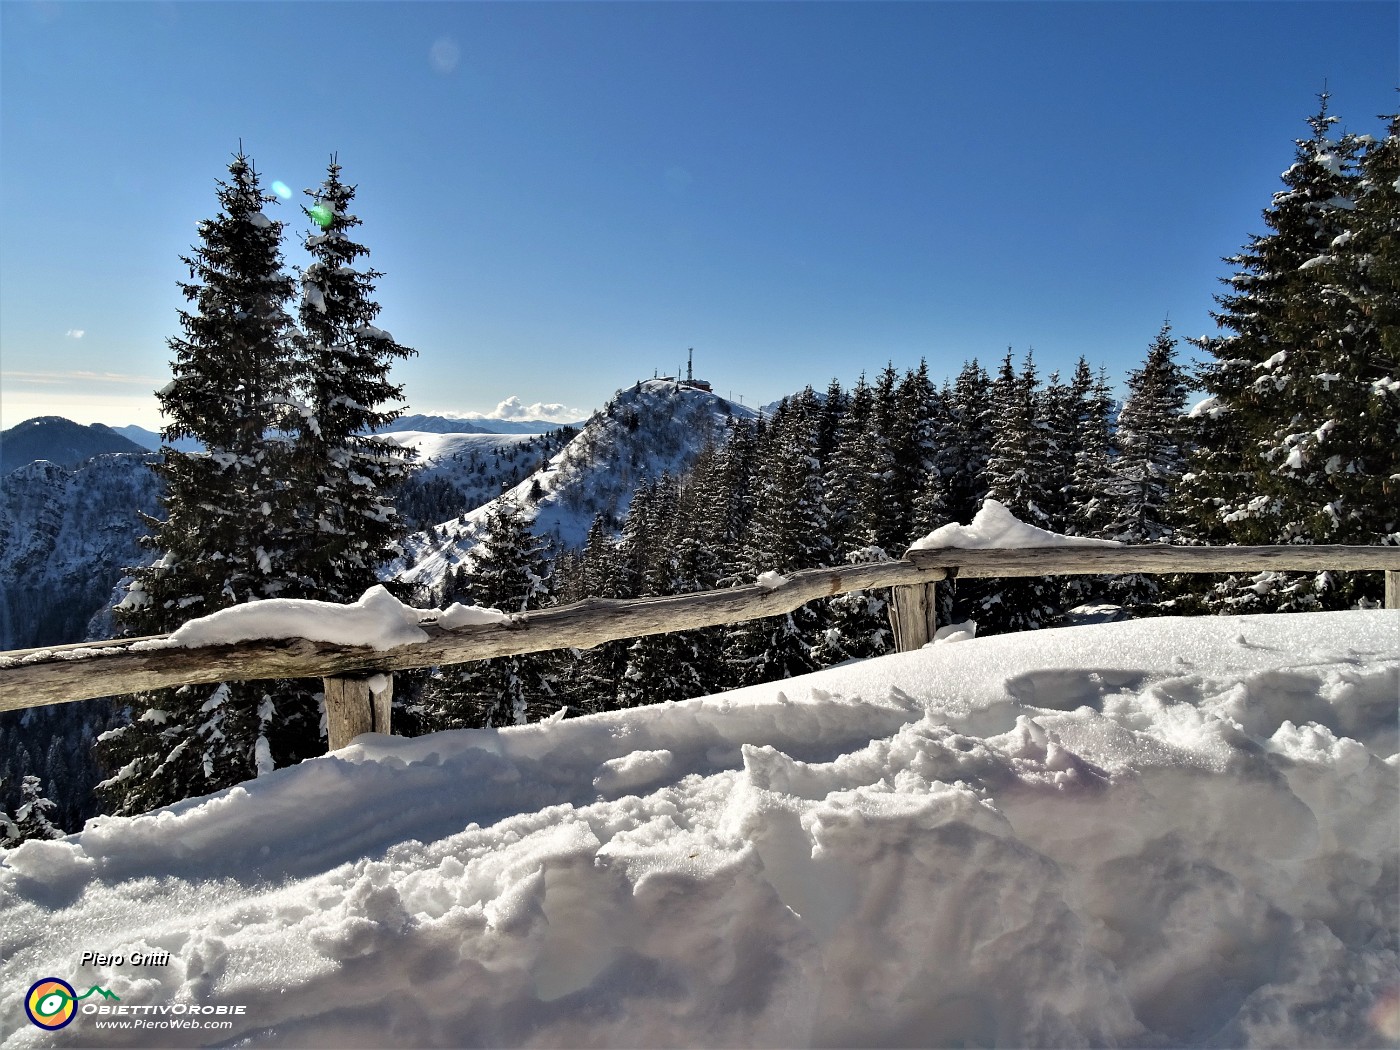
x,y
1302,379
1087,503
32,818
1022,478
966,448
1150,462
1088,498
230,534
786,534
882,511
843,480
598,673
508,572
677,665
346,476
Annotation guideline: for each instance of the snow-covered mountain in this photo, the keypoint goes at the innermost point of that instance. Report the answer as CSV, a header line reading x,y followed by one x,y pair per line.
x,y
457,472
655,426
472,425
60,441
66,533
149,439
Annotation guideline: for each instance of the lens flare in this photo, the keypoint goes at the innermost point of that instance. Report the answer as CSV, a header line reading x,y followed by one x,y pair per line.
x,y
322,216
1385,1013
282,190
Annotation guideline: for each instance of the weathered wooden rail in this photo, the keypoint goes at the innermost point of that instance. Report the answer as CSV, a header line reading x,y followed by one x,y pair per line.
x,y
358,679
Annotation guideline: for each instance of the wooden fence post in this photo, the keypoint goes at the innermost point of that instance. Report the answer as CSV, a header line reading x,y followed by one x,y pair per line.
x,y
913,615
357,704
1392,589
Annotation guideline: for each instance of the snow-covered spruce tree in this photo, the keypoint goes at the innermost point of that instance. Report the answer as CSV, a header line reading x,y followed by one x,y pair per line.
x,y
346,477
597,675
230,532
931,504
508,572
33,816
882,510
787,533
1151,459
1303,380
678,665
1087,504
912,446
842,480
1023,477
966,448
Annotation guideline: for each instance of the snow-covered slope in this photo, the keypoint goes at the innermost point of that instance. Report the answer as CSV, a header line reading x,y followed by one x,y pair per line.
x,y
473,425
655,426
436,450
1160,833
66,533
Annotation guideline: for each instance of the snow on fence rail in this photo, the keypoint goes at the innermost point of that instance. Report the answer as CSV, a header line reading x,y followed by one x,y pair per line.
x,y
358,677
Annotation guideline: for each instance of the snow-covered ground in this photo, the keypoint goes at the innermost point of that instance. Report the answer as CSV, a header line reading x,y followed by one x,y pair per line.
x,y
1173,832
434,449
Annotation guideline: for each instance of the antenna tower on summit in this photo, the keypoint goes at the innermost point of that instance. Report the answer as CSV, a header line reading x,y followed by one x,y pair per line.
x,y
690,366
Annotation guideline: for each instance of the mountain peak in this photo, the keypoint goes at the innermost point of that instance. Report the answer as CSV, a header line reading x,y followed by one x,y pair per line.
x,y
60,441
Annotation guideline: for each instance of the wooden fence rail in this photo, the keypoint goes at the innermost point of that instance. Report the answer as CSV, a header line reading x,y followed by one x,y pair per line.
x,y
358,678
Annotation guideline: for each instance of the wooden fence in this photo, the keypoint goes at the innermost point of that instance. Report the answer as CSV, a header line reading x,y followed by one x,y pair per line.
x,y
358,679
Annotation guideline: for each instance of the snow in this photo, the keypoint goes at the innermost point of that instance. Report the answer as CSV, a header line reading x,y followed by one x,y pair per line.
x,y
459,615
378,620
770,580
1209,406
955,632
1175,832
434,448
996,527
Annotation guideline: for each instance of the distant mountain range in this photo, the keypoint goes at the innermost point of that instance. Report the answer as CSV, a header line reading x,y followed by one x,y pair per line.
x,y
68,444
59,441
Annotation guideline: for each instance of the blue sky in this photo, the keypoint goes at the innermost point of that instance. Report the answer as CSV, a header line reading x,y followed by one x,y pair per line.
x,y
564,197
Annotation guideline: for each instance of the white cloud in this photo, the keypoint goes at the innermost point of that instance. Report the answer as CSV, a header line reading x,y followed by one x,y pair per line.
x,y
75,333
552,412
77,377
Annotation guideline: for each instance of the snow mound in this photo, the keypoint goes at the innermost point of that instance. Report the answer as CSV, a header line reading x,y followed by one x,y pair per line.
x,y
1176,832
378,620
995,526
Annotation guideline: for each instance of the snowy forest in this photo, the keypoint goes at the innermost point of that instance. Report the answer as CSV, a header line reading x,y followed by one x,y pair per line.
x,y
1287,430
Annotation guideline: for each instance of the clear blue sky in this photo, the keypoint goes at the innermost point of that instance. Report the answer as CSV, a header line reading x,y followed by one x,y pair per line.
x,y
564,197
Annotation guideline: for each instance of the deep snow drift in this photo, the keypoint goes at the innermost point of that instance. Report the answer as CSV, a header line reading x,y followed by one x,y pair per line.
x,y
1157,833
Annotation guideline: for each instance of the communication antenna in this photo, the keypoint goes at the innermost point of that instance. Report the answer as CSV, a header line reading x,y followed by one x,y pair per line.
x,y
690,365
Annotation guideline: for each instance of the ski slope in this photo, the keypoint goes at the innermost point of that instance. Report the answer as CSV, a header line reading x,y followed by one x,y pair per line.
x,y
1172,832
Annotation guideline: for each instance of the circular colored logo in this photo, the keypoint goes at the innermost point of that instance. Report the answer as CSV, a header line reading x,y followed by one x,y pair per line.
x,y
51,1003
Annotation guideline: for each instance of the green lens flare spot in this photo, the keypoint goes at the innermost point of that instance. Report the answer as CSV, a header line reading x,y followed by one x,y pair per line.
x,y
322,216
